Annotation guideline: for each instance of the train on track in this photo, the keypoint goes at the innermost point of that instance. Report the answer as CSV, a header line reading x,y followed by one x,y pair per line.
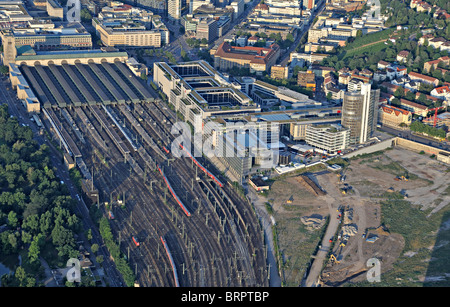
x,y
204,169
136,241
175,275
180,203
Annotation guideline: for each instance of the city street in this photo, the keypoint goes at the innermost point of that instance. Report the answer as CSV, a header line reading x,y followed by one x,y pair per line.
x,y
413,137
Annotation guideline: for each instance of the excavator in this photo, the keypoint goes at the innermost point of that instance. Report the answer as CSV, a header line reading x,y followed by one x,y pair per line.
x,y
401,178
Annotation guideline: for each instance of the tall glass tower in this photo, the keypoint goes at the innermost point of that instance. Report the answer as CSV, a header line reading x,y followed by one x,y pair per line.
x,y
359,113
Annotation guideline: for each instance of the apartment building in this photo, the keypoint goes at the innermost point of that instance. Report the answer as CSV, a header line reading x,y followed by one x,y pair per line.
x,y
423,78
412,106
392,116
307,79
279,72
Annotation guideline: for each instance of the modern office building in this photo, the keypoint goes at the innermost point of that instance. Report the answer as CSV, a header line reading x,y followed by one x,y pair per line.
x,y
359,113
54,9
329,138
12,13
207,28
122,25
197,91
174,9
238,7
194,4
124,36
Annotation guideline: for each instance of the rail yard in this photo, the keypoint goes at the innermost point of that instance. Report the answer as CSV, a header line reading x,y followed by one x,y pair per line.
x,y
176,220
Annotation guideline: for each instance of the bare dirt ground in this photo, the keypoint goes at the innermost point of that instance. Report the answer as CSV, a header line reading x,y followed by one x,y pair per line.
x,y
371,179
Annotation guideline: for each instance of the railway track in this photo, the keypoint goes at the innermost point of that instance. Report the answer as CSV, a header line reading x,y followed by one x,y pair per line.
x,y
207,248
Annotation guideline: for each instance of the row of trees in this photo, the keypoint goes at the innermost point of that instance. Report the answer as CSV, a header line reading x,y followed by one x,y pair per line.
x,y
420,127
35,208
114,249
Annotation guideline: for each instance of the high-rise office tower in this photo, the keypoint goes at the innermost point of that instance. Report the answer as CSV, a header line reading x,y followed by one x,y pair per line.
x,y
174,9
310,4
359,113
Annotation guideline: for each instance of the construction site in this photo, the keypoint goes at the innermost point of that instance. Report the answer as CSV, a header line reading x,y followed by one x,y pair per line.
x,y
329,224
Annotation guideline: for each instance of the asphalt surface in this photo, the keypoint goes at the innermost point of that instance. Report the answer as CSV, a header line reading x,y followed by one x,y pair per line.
x,y
407,134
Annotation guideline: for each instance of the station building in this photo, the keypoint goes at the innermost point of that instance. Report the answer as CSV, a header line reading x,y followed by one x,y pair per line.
x,y
61,79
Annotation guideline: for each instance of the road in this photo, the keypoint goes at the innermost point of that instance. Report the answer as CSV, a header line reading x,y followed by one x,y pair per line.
x,y
284,58
321,256
178,41
417,138
17,109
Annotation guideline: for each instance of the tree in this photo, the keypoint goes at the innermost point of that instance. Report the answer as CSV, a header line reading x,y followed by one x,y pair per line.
x,y
290,37
85,15
399,92
12,219
410,96
20,274
4,70
94,248
35,248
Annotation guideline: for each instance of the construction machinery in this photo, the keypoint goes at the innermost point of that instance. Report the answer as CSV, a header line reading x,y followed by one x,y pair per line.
x,y
401,178
333,259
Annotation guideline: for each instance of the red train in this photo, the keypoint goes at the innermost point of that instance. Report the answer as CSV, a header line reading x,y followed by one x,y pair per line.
x,y
136,241
175,275
204,169
186,211
166,150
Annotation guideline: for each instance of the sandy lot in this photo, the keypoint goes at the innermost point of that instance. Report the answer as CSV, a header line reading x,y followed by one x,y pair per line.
x,y
372,180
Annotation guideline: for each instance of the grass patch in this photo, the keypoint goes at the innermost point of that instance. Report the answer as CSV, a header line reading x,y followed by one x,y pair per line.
x,y
395,168
421,239
378,47
296,250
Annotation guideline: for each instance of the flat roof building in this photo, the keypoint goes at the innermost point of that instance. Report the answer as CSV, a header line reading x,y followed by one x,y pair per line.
x,y
330,138
62,36
257,59
198,91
